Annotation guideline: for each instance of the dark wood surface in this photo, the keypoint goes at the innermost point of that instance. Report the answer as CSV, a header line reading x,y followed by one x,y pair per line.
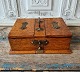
x,y
21,40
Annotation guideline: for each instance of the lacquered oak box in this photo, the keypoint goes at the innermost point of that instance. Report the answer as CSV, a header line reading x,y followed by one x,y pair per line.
x,y
40,36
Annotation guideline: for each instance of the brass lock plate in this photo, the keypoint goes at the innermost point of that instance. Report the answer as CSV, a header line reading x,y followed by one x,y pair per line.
x,y
40,44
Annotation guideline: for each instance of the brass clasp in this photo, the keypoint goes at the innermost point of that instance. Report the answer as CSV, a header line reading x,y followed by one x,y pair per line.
x,y
40,44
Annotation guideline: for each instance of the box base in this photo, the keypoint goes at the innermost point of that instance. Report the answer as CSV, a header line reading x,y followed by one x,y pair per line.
x,y
46,52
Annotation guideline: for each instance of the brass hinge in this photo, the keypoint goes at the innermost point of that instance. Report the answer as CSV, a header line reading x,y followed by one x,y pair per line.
x,y
24,25
39,25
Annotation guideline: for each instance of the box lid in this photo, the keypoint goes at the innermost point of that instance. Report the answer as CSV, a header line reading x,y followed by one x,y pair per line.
x,y
18,32
61,31
47,25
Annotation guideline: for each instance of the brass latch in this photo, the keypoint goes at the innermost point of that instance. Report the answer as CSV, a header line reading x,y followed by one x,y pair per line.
x,y
40,44
39,25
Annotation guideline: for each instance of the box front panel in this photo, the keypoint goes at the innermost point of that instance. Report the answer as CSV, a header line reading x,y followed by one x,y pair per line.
x,y
57,44
39,45
46,44
21,44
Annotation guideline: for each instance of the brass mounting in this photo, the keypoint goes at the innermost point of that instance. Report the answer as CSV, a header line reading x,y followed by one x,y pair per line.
x,y
55,25
24,25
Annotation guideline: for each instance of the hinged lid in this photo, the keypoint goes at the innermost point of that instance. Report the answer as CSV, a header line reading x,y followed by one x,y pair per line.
x,y
47,27
19,31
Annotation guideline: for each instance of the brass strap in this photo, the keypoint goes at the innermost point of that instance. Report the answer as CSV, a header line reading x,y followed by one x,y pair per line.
x,y
39,25
24,25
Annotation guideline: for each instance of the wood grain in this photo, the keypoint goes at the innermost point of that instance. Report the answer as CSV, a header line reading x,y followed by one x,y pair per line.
x,y
21,44
57,44
17,32
22,52
68,51
45,52
63,31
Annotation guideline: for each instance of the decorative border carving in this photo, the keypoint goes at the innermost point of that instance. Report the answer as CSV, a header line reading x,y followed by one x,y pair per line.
x,y
68,9
10,7
39,4
40,13
25,12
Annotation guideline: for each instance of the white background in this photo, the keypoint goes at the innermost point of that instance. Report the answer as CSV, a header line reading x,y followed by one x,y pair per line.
x,y
10,10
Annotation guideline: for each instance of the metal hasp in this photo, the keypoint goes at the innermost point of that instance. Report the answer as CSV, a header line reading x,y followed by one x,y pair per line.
x,y
55,25
39,28
40,44
24,25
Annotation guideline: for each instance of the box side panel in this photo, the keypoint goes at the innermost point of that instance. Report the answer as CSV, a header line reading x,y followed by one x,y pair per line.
x,y
55,45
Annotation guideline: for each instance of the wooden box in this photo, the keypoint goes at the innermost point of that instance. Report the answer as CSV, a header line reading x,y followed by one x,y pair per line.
x,y
40,36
